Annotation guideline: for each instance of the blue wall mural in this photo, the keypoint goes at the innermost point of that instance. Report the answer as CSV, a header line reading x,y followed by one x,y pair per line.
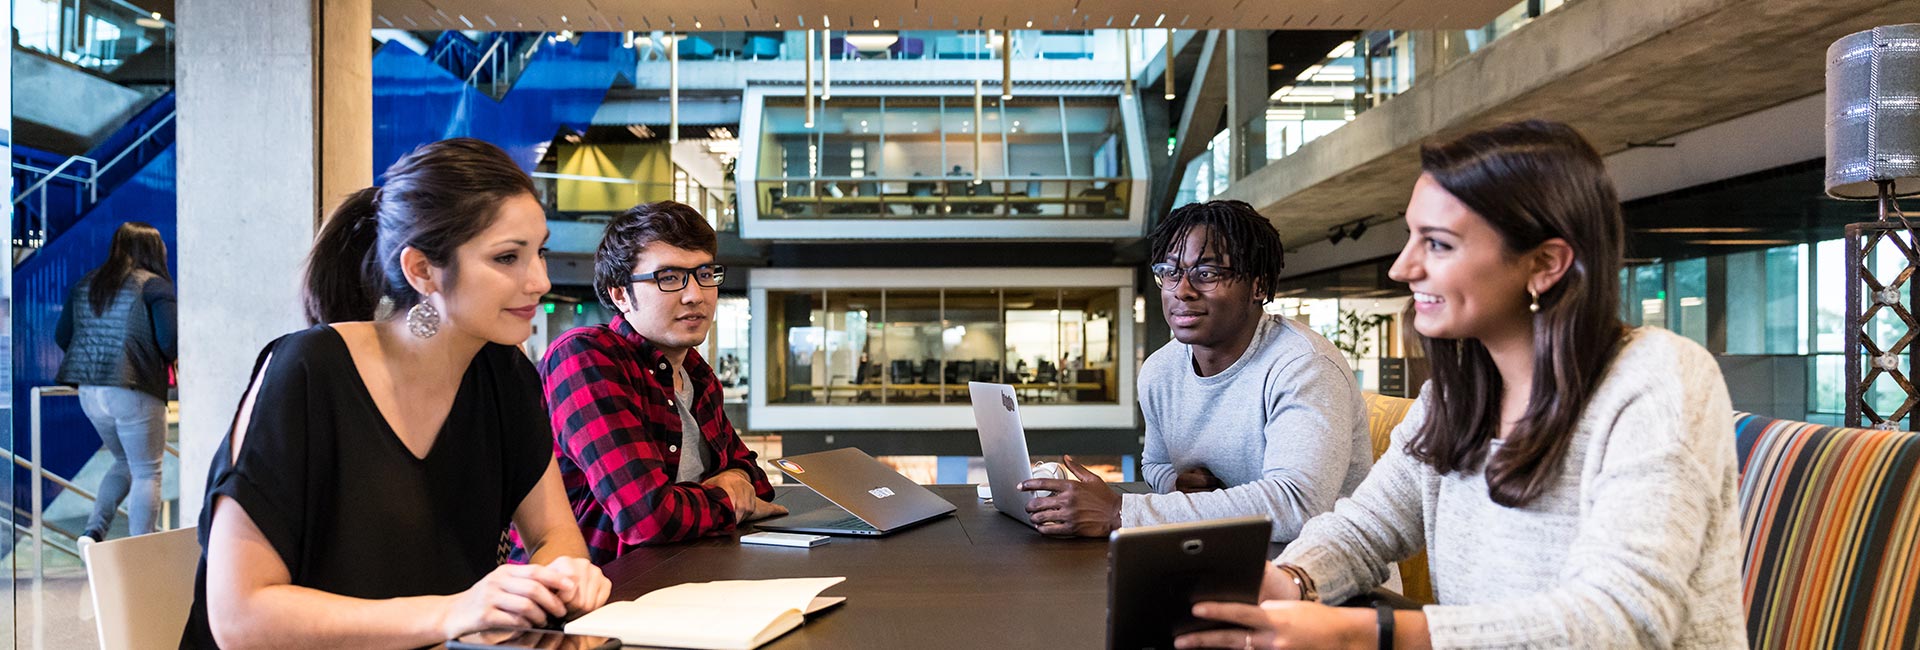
x,y
416,101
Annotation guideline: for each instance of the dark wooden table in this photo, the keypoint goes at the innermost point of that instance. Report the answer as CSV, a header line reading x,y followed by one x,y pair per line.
x,y
977,579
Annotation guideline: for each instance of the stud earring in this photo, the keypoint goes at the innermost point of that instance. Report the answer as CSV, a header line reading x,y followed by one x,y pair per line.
x,y
1533,307
423,320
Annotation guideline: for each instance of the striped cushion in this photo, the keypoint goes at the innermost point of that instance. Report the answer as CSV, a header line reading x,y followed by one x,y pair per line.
x,y
1832,523
1383,414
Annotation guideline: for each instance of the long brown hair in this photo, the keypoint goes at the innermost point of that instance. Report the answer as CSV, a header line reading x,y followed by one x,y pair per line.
x,y
435,199
1532,181
136,245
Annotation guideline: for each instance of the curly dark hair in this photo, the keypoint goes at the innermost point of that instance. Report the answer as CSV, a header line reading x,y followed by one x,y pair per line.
x,y
673,222
1235,231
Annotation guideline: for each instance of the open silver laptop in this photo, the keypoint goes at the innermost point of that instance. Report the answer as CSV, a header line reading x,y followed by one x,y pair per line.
x,y
873,499
1003,443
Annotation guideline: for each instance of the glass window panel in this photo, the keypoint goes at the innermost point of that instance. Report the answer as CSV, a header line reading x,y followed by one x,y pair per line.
x,y
797,325
731,359
973,339
1650,295
1829,380
849,350
911,151
787,151
1096,138
1745,303
849,136
1090,339
1787,294
956,131
1687,299
912,346
1035,148
1033,342
1830,258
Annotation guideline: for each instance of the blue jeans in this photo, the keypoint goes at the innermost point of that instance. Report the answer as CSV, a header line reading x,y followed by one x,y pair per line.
x,y
133,426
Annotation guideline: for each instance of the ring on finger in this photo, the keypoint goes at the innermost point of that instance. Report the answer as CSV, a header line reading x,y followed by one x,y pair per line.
x,y
1249,645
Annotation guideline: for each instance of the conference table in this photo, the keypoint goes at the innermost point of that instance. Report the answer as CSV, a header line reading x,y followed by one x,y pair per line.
x,y
976,579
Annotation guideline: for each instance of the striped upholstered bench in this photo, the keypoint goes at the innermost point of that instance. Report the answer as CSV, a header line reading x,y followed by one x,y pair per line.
x,y
1832,523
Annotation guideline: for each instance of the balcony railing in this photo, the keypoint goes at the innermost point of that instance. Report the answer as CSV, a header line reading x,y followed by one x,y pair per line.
x,y
923,197
98,36
897,45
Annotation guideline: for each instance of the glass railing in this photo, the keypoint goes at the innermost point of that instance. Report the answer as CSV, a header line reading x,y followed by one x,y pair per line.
x,y
882,45
593,199
1355,76
953,198
95,35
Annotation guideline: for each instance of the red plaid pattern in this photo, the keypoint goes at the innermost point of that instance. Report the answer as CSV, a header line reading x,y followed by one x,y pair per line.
x,y
616,433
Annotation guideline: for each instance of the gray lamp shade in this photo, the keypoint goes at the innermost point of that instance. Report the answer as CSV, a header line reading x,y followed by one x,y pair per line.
x,y
1873,112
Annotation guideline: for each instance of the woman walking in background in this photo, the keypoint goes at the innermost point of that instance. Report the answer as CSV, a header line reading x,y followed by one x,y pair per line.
x,y
118,332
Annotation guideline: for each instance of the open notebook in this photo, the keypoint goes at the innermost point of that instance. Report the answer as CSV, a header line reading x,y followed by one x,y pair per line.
x,y
723,615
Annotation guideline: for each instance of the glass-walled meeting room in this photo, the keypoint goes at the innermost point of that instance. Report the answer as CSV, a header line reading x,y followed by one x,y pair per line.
x,y
949,156
916,338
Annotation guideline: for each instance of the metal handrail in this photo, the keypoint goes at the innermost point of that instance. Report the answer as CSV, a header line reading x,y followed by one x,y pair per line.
x,y
18,528
475,72
488,57
42,170
22,196
135,145
50,476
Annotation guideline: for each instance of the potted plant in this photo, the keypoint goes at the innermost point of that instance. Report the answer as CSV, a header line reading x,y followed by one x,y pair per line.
x,y
1350,335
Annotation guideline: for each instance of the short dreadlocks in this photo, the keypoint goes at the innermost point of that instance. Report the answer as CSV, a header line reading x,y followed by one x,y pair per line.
x,y
1235,231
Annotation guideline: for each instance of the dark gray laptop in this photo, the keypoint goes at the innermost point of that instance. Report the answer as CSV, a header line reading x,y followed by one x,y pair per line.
x,y
873,499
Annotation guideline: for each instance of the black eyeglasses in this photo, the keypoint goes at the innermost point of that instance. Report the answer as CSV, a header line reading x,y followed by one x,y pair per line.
x,y
675,279
1203,277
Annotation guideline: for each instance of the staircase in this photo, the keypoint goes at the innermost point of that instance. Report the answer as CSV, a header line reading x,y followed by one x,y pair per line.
x,y
52,193
67,209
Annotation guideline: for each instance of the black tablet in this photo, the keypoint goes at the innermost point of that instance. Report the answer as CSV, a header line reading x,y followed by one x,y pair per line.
x,y
1155,574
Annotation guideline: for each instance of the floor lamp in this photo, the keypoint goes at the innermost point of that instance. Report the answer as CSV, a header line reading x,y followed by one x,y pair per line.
x,y
1873,154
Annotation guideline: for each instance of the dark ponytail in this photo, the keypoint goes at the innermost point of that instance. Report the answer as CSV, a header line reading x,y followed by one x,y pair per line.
x,y
435,199
340,283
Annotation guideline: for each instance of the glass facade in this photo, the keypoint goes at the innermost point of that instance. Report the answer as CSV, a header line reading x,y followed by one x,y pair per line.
x,y
1781,301
1356,75
922,346
98,36
943,157
904,45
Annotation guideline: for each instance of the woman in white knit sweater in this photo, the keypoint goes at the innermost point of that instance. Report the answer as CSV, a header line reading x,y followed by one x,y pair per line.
x,y
1572,480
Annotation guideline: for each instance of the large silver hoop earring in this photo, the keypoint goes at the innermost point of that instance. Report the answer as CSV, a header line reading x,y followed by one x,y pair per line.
x,y
424,319
1533,307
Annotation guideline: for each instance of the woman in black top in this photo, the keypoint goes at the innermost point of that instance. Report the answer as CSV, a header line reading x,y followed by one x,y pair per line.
x,y
360,497
118,334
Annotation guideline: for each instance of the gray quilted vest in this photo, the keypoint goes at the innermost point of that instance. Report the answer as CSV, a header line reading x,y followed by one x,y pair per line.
x,y
116,347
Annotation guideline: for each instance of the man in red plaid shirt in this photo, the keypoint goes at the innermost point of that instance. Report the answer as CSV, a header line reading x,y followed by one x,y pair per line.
x,y
646,452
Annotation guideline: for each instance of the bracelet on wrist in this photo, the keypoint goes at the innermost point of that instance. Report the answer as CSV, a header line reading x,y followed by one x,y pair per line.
x,y
1302,583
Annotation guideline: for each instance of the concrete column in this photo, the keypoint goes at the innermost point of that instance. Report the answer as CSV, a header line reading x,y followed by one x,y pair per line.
x,y
1246,101
275,127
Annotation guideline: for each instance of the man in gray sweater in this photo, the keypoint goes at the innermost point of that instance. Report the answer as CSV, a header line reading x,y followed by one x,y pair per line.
x,y
1246,413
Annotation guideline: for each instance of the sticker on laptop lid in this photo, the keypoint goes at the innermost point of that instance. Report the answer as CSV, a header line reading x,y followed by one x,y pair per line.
x,y
790,466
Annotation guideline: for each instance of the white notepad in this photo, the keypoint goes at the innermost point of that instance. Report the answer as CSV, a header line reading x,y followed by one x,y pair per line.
x,y
723,615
